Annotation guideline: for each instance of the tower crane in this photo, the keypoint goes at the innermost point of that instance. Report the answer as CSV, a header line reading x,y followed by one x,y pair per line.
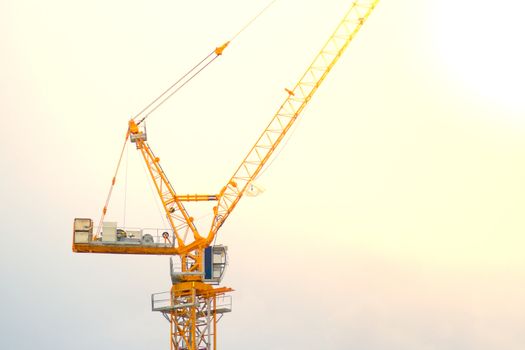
x,y
195,303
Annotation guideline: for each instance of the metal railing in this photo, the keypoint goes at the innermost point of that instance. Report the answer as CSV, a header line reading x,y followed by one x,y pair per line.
x,y
159,236
163,302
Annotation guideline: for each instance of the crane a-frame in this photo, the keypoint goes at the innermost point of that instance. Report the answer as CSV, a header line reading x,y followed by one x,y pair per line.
x,y
193,306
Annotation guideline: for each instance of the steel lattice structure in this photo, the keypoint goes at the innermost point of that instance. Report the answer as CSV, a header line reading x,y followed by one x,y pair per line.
x,y
192,307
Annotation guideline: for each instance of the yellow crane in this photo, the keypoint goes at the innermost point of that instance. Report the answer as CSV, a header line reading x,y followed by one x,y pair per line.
x,y
194,306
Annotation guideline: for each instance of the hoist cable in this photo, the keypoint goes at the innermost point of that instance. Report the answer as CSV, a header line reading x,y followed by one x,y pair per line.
x,y
253,19
217,51
113,181
162,214
177,89
205,62
126,186
278,152
173,85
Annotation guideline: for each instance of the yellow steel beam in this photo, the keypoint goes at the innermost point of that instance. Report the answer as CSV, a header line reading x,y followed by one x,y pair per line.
x,y
296,100
196,197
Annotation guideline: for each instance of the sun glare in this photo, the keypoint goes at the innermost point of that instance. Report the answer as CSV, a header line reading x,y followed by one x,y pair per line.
x,y
481,43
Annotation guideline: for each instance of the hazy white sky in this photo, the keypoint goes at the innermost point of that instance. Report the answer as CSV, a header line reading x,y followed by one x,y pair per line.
x,y
391,220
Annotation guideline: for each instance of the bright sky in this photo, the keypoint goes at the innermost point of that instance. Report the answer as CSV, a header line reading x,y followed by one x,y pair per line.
x,y
391,220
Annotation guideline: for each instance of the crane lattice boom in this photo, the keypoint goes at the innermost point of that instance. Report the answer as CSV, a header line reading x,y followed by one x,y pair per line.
x,y
193,306
291,108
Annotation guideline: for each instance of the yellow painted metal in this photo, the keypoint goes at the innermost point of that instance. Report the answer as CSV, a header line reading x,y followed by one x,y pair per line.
x,y
190,301
297,99
183,320
196,197
113,181
289,111
186,250
124,249
219,50
178,217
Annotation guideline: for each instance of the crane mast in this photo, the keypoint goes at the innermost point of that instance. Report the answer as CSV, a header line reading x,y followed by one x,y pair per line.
x,y
193,306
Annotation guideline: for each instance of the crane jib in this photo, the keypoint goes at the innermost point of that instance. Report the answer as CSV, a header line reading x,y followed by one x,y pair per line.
x,y
182,227
193,306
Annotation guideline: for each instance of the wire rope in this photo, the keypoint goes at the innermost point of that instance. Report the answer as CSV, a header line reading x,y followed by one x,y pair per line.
x,y
113,181
205,62
279,151
173,85
253,19
155,104
177,89
155,198
126,186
